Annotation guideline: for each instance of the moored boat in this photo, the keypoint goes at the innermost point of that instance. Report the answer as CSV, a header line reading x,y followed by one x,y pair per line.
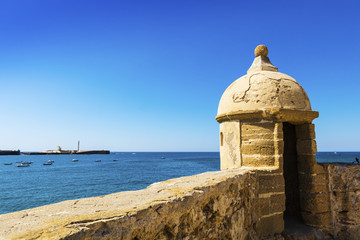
x,y
23,165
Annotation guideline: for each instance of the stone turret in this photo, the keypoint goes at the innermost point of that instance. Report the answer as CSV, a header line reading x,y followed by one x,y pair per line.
x,y
251,112
266,124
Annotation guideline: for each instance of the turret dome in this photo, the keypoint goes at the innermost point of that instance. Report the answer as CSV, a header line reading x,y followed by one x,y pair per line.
x,y
263,88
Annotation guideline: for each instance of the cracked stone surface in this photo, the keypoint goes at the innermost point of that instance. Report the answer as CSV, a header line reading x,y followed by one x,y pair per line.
x,y
264,90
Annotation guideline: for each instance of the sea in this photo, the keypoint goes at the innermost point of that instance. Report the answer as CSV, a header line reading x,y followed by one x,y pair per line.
x,y
95,175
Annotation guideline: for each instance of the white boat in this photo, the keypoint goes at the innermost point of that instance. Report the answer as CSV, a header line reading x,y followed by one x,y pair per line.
x,y
50,161
23,165
47,163
75,160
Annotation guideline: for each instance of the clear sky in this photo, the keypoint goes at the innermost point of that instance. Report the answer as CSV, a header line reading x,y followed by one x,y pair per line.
x,y
148,75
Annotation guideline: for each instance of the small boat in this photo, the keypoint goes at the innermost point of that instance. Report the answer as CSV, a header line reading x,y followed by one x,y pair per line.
x,y
162,157
28,162
47,163
18,161
115,160
97,160
8,163
50,161
23,165
75,160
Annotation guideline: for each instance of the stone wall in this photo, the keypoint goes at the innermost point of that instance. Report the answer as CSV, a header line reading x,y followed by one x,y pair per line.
x,y
251,143
232,204
329,192
261,143
313,180
344,184
330,197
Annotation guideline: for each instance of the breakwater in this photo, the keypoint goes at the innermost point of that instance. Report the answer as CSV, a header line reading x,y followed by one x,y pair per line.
x,y
68,152
9,152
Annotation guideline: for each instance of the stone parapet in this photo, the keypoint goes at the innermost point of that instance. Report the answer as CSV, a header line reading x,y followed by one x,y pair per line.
x,y
212,205
344,184
330,197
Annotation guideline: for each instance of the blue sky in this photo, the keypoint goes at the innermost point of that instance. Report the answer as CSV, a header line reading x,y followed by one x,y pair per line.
x,y
148,75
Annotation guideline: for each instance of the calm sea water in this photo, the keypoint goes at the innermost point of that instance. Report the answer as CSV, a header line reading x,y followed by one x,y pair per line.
x,y
37,185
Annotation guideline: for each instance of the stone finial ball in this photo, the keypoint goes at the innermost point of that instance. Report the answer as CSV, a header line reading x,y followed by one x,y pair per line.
x,y
261,50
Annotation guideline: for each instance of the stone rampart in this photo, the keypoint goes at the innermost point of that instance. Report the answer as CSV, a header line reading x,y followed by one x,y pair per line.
x,y
231,204
330,197
344,185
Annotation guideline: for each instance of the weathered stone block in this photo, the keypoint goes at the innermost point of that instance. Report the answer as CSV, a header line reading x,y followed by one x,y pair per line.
x,y
310,159
257,160
278,130
311,179
279,147
257,128
271,183
341,202
338,183
270,225
313,187
306,147
230,145
308,164
317,219
247,137
262,207
313,182
262,147
347,231
277,203
315,202
305,131
274,203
